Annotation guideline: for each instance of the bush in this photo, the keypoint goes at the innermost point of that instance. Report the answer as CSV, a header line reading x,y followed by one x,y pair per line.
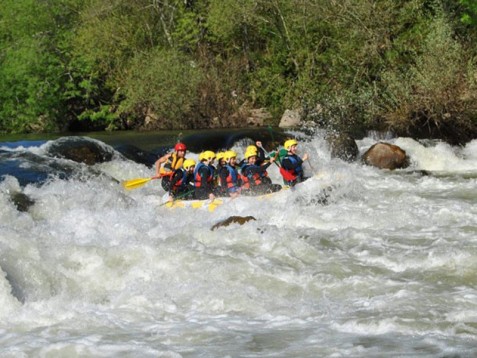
x,y
435,95
164,84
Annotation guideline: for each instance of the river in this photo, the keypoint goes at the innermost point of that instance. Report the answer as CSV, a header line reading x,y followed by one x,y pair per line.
x,y
385,266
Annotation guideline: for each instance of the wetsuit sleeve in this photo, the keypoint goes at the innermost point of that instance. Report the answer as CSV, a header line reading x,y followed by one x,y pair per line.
x,y
223,174
175,178
261,155
264,167
190,179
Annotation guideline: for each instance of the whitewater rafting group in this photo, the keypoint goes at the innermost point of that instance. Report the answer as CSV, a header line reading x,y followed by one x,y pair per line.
x,y
187,179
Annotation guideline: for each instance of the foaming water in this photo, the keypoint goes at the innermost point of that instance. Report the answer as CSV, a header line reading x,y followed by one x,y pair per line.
x,y
353,262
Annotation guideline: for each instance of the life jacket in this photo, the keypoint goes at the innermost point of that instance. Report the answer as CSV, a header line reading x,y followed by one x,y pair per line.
x,y
297,171
233,177
182,183
197,177
173,163
250,178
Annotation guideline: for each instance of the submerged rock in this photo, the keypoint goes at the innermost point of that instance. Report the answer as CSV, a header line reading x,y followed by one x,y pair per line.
x,y
343,146
22,201
233,220
321,197
137,155
386,156
81,150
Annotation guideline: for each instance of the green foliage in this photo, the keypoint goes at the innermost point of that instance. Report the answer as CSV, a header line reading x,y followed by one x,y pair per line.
x,y
348,64
469,15
163,82
33,59
436,92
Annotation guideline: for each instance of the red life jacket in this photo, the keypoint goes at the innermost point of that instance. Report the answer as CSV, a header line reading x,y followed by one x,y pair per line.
x,y
233,177
250,179
291,175
197,177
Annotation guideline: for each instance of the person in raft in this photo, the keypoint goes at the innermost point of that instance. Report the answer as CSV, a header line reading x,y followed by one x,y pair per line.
x,y
255,180
257,148
182,181
292,164
167,164
229,176
261,155
219,189
204,176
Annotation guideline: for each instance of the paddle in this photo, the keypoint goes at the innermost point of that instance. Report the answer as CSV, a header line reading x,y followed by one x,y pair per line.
x,y
180,196
284,173
136,183
311,167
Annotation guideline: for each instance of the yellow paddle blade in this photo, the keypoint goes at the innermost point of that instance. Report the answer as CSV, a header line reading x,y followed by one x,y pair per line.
x,y
214,204
197,204
135,183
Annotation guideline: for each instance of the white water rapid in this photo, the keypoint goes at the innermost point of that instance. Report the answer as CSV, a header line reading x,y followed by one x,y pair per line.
x,y
387,266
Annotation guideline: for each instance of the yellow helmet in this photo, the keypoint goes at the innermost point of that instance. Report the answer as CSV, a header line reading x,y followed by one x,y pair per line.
x,y
220,156
289,143
250,153
229,154
188,163
207,155
251,148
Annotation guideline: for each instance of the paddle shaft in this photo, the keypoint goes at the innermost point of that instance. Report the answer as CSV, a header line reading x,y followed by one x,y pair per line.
x,y
180,196
268,155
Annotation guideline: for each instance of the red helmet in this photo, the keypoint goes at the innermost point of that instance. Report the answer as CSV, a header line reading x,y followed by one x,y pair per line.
x,y
180,146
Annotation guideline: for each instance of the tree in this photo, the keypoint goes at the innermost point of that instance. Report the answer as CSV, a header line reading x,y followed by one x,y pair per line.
x,y
469,15
32,64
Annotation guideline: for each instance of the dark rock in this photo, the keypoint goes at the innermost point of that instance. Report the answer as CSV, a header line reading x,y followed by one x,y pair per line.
x,y
386,156
343,146
137,155
81,150
22,201
232,220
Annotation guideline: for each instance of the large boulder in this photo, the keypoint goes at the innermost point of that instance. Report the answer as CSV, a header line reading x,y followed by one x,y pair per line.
x,y
386,156
81,150
257,117
290,118
343,146
137,155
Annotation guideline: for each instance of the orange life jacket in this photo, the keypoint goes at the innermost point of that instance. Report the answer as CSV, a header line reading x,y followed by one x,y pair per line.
x,y
198,178
250,179
173,163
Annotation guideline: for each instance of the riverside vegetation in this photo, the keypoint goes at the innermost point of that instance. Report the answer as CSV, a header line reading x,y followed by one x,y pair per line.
x,y
403,65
